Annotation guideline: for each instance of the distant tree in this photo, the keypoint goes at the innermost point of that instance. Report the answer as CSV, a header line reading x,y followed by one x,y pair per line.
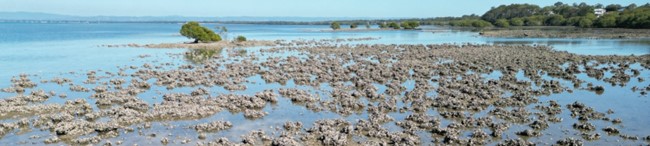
x,y
502,23
511,11
631,6
223,31
517,22
607,20
335,25
410,24
573,21
613,7
470,22
354,25
383,25
367,25
393,25
241,38
481,23
635,18
194,30
585,22
414,24
599,6
555,20
534,21
560,14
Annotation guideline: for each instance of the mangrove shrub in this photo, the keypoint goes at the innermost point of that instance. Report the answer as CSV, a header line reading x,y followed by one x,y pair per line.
x,y
502,23
240,38
354,25
410,24
194,30
393,25
335,25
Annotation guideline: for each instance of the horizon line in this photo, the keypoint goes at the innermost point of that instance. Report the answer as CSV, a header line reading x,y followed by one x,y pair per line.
x,y
374,17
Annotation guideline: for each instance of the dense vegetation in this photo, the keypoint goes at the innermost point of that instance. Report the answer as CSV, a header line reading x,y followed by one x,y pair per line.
x,y
354,25
393,25
469,21
194,30
410,24
335,25
402,24
240,38
560,14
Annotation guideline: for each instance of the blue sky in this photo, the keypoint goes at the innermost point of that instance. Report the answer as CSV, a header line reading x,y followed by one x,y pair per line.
x,y
300,8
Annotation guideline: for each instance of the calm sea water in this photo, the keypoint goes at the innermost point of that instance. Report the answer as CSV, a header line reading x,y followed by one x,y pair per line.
x,y
50,50
55,48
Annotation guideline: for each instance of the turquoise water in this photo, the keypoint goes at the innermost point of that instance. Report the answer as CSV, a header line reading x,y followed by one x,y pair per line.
x,y
51,50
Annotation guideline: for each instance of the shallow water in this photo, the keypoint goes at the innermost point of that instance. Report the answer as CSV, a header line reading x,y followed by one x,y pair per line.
x,y
46,51
55,48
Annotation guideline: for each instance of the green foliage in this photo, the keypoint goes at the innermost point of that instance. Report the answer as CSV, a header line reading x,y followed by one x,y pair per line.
x,y
481,24
574,10
585,22
502,23
240,38
631,6
613,7
410,24
354,25
573,21
534,21
560,14
471,23
511,11
607,20
517,22
635,18
194,30
393,25
335,25
383,25
555,20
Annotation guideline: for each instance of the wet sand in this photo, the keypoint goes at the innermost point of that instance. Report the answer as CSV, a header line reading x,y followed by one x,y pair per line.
x,y
307,92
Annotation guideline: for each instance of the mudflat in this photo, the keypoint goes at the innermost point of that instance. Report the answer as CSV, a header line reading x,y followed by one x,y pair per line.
x,y
373,94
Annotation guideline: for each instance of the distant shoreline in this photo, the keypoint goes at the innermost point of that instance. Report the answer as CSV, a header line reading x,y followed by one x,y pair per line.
x,y
568,32
235,44
362,29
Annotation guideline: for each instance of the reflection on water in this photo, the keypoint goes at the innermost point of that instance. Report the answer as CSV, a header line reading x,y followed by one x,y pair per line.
x,y
546,42
198,56
636,41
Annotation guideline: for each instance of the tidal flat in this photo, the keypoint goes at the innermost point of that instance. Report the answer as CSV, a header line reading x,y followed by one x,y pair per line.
x,y
335,92
568,32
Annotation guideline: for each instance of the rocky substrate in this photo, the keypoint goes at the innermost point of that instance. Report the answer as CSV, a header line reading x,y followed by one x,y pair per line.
x,y
440,89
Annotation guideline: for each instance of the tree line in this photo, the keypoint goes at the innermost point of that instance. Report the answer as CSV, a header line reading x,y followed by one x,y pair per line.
x,y
561,14
408,24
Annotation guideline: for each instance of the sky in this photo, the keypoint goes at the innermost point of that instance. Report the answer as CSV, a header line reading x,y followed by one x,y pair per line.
x,y
271,8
